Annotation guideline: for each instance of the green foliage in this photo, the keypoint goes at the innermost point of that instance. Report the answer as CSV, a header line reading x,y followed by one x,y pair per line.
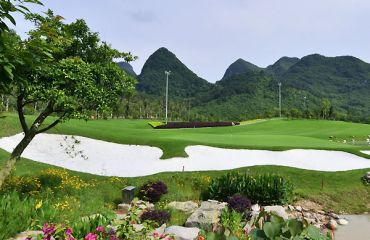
x,y
262,189
271,227
89,224
18,214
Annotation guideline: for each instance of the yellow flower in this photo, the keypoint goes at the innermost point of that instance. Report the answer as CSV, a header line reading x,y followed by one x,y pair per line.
x,y
38,205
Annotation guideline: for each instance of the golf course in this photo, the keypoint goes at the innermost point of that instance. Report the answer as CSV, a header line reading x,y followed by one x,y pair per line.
x,y
184,120
339,191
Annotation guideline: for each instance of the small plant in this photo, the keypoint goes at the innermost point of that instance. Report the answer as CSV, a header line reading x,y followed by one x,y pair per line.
x,y
18,214
152,191
25,185
269,226
159,217
239,203
50,180
262,189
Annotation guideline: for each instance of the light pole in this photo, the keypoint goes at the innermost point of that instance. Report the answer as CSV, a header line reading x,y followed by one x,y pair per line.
x,y
167,74
279,99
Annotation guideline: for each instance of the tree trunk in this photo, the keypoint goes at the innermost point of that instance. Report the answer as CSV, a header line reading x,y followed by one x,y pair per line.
x,y
16,154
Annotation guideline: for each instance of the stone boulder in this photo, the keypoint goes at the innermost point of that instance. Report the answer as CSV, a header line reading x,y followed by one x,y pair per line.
x,y
25,235
182,233
278,210
206,217
187,207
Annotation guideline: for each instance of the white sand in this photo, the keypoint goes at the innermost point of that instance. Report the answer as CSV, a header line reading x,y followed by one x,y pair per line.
x,y
111,159
366,152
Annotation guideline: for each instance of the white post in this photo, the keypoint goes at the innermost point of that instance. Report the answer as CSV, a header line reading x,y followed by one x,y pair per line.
x,y
279,99
167,74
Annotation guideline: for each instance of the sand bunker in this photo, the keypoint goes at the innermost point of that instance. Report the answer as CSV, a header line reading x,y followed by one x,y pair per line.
x,y
112,159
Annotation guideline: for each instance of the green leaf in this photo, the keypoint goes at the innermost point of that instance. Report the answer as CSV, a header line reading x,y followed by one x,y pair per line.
x,y
9,71
295,227
272,230
257,234
313,232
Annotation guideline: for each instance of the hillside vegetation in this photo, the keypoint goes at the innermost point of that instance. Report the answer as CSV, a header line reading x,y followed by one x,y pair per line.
x,y
312,87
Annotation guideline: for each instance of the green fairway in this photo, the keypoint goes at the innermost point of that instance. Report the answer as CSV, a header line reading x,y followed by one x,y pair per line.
x,y
342,191
272,134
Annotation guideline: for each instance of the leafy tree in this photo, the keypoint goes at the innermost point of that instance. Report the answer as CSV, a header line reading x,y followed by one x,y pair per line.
x,y
7,8
325,107
68,71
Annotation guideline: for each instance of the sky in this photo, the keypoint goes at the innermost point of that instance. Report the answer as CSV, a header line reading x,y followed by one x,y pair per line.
x,y
208,35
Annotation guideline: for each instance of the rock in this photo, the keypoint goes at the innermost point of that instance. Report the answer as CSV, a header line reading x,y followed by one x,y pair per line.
x,y
25,235
332,225
124,208
183,233
158,231
291,208
138,227
278,210
333,215
187,207
255,208
342,221
206,217
120,216
298,208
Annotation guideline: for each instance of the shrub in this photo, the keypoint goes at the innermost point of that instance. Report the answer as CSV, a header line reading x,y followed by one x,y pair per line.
x,y
239,203
152,191
160,217
195,124
25,185
49,180
261,189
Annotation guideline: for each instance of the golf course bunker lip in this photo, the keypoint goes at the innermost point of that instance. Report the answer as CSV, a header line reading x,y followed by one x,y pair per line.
x,y
112,159
366,152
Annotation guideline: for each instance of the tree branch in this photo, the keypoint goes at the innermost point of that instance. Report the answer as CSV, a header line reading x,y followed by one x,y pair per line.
x,y
21,117
42,116
51,125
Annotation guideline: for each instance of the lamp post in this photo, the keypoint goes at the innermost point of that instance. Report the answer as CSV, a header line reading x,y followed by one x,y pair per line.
x,y
167,74
279,99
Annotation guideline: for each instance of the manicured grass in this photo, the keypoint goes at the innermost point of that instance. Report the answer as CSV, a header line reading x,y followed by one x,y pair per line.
x,y
277,134
341,191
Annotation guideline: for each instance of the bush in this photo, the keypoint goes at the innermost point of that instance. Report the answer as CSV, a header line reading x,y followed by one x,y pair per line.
x,y
261,189
239,203
160,217
49,180
195,124
25,185
152,191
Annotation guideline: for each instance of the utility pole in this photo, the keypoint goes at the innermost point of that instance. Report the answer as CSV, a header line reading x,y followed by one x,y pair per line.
x,y
167,74
279,99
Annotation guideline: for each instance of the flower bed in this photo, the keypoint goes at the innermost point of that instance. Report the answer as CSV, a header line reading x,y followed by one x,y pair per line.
x,y
171,125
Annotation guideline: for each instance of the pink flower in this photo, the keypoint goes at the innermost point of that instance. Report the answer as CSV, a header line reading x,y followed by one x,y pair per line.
x,y
91,236
100,229
68,232
48,229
